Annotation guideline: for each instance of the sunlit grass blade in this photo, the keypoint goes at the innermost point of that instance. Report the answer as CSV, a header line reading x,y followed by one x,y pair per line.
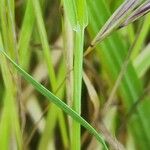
x,y
8,41
44,41
76,11
25,35
142,61
43,44
142,35
56,101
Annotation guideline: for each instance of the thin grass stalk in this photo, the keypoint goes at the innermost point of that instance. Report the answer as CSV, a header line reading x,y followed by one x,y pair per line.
x,y
119,79
25,35
68,39
48,58
45,44
10,119
78,61
142,36
9,43
76,11
142,61
61,91
10,4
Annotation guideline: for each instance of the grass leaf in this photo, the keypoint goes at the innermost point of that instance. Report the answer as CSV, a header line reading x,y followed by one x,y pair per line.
x,y
56,101
77,13
142,62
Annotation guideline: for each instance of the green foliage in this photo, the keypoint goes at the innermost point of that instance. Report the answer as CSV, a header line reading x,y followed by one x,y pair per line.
x,y
77,13
53,43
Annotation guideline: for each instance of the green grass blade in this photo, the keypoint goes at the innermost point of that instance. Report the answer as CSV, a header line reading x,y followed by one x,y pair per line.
x,y
57,101
142,61
48,58
113,51
44,41
76,10
141,37
8,41
78,60
25,35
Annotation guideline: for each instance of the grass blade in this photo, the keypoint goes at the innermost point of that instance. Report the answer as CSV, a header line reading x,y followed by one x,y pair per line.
x,y
76,10
56,101
25,35
77,13
113,51
142,62
141,37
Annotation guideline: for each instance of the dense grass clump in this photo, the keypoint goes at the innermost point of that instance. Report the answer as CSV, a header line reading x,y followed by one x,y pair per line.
x,y
74,74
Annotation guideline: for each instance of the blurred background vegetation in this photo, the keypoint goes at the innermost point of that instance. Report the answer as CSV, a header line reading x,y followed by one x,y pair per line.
x,y
118,110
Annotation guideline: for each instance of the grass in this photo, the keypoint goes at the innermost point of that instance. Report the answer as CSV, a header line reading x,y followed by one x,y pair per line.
x,y
104,94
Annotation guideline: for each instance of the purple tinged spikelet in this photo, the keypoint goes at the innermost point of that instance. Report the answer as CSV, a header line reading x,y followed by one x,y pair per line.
x,y
139,12
127,13
116,19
